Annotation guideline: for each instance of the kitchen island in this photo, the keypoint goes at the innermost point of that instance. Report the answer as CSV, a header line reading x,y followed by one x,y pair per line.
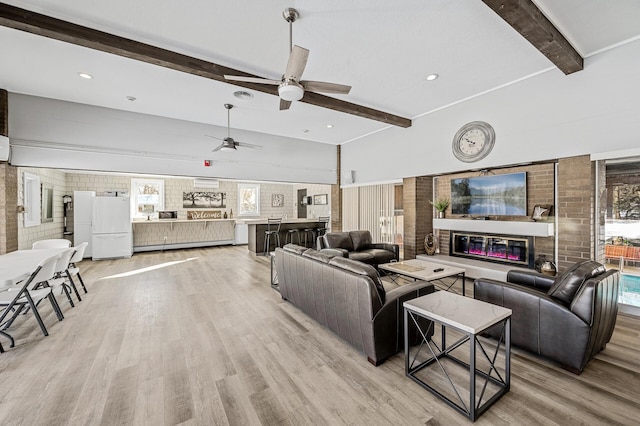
x,y
258,227
162,234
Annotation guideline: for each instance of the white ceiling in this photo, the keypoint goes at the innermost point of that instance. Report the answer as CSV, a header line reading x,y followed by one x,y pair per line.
x,y
384,49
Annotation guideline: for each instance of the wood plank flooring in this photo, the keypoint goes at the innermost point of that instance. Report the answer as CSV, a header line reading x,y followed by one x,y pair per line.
x,y
198,337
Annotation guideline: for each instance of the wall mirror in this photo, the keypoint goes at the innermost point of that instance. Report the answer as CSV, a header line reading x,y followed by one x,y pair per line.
x,y
31,199
47,203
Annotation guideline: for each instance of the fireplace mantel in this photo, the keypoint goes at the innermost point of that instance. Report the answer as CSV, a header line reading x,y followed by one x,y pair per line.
x,y
533,229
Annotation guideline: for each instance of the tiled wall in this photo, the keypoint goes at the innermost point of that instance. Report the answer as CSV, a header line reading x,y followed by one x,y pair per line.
x,y
27,236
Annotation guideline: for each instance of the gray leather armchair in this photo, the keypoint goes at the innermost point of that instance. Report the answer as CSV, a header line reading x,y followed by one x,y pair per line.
x,y
358,245
568,319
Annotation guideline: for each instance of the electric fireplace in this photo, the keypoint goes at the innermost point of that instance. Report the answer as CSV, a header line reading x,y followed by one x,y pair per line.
x,y
507,249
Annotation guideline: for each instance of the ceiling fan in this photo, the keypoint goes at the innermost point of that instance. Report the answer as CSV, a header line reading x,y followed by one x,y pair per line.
x,y
290,87
228,143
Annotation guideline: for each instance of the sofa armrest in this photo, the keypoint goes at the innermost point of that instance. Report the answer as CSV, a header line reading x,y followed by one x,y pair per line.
x,y
531,279
388,322
394,248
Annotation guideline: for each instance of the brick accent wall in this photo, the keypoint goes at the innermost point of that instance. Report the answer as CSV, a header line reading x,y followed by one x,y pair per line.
x,y
540,190
336,195
418,214
575,209
8,208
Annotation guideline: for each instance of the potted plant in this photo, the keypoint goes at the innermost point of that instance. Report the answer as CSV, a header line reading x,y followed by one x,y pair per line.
x,y
440,205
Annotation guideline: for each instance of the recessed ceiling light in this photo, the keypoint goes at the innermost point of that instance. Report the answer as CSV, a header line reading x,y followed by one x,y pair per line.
x,y
241,94
85,75
329,126
432,77
131,98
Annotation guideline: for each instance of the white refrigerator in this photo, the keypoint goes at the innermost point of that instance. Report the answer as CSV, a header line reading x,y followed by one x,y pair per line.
x,y
82,217
111,227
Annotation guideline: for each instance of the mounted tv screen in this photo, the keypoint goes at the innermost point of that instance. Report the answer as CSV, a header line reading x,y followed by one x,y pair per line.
x,y
495,195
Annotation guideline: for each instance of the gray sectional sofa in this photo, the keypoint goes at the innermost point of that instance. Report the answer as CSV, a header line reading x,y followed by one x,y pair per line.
x,y
348,297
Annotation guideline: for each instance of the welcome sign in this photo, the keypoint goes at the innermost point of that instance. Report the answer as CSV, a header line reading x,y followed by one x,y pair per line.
x,y
204,214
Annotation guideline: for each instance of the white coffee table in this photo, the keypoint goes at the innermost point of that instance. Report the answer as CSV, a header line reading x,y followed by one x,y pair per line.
x,y
426,271
469,317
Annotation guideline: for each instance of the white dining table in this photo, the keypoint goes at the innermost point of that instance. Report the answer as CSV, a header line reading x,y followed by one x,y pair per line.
x,y
19,264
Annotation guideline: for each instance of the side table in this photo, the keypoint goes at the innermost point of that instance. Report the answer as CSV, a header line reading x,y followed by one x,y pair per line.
x,y
469,317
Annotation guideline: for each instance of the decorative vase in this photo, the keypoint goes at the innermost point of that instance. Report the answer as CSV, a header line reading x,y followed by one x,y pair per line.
x,y
225,215
441,215
548,268
430,244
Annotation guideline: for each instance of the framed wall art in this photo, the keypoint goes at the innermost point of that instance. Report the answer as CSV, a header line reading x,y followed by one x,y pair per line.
x,y
320,199
204,200
277,200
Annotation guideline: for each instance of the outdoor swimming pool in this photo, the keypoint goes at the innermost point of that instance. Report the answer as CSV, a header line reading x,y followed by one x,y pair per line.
x,y
629,293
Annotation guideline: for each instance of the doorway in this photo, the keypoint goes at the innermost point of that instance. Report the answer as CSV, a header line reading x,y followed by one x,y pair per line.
x,y
302,203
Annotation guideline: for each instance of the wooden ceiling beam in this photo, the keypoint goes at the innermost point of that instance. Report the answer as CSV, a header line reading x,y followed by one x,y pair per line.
x,y
525,17
46,26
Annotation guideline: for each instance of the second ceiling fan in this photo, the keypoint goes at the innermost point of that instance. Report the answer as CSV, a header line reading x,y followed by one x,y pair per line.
x,y
228,143
291,87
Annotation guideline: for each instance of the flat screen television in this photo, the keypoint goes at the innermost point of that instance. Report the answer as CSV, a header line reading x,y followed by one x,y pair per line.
x,y
494,195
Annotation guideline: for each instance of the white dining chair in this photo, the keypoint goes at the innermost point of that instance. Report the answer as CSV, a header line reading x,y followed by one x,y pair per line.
x,y
73,269
59,280
28,294
51,243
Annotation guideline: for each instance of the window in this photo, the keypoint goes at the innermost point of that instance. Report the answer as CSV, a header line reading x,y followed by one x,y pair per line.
x,y
248,200
147,198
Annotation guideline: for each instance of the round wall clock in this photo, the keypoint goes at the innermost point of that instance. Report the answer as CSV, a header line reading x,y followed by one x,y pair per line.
x,y
473,141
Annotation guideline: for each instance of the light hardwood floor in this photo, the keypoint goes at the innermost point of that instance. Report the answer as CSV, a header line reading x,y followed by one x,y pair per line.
x,y
198,337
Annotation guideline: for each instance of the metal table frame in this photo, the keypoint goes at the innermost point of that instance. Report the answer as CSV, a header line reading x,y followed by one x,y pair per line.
x,y
473,410
274,272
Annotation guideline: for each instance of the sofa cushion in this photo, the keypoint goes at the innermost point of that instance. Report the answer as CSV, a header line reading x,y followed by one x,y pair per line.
x,y
568,283
361,269
381,255
338,240
316,255
362,256
294,248
332,252
361,240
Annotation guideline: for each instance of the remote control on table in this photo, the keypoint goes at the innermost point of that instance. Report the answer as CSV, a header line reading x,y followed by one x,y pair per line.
x,y
438,270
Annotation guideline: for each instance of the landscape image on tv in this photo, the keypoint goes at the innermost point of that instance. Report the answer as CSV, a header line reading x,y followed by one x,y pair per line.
x,y
495,195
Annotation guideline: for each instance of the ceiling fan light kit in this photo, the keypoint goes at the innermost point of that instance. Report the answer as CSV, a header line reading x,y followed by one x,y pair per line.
x,y
228,143
290,91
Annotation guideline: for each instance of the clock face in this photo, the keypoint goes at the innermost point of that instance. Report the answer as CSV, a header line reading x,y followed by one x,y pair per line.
x,y
473,141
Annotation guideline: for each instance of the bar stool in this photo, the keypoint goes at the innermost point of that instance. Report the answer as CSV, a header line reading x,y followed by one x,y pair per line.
x,y
324,220
273,228
292,233
308,231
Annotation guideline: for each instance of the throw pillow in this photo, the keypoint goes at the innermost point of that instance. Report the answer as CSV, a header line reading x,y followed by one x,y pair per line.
x,y
567,285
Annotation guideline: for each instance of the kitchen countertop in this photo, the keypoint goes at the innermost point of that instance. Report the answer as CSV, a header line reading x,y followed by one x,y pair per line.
x,y
263,221
186,220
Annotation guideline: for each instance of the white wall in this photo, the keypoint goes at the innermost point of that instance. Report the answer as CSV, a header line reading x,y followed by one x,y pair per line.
x,y
66,135
547,116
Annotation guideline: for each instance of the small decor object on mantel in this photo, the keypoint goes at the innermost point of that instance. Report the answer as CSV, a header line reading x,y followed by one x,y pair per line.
x,y
541,212
430,244
277,200
440,205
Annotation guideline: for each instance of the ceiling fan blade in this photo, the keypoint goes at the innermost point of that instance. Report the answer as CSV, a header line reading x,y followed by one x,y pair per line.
x,y
297,63
323,87
214,137
217,148
284,104
248,145
252,79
